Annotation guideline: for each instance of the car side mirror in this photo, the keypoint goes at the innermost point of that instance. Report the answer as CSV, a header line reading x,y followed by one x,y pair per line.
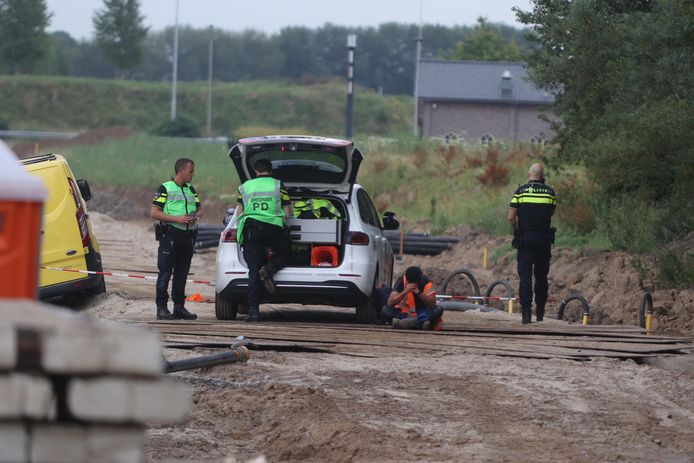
x,y
390,222
85,191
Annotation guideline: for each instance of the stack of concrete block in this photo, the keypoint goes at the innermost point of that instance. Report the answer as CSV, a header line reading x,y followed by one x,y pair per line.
x,y
74,388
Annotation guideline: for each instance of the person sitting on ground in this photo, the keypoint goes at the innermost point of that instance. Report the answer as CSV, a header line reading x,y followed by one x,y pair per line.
x,y
412,303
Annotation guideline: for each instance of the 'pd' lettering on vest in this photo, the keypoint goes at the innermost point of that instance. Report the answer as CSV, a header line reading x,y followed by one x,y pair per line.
x,y
261,201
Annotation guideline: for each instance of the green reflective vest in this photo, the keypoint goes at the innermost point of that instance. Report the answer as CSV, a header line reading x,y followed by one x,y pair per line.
x,y
262,201
317,208
180,201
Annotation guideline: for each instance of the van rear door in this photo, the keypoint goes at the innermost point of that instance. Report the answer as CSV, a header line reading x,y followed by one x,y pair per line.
x,y
61,239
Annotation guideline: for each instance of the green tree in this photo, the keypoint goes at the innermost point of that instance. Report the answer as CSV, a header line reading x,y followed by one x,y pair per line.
x,y
622,75
487,43
120,34
23,39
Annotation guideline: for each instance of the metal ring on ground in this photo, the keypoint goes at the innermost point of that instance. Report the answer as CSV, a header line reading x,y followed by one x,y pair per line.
x,y
577,297
646,309
467,273
504,283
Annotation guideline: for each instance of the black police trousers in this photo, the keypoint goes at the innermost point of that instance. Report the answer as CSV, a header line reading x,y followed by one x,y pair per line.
x,y
533,259
175,254
257,237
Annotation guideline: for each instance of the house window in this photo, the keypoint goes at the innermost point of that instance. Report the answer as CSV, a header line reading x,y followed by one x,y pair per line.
x,y
451,138
487,139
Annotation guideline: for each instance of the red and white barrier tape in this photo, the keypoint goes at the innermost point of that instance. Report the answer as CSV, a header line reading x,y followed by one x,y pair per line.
x,y
479,298
125,275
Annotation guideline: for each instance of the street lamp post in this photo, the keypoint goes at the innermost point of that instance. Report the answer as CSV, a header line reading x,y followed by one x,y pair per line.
x,y
174,76
351,47
209,83
418,57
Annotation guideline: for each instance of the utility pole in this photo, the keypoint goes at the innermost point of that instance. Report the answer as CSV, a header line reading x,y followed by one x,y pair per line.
x,y
351,47
209,83
418,57
174,77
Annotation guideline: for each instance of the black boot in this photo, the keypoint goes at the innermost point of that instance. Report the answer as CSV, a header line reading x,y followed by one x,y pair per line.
x,y
539,312
253,315
182,313
527,315
266,273
164,314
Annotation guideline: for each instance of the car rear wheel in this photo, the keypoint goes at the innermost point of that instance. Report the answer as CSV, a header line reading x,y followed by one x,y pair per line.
x,y
368,311
224,308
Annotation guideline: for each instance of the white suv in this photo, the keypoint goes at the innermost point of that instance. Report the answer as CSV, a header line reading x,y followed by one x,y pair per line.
x,y
339,260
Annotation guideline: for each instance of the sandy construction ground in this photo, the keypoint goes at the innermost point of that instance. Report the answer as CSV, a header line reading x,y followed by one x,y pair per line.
x,y
396,402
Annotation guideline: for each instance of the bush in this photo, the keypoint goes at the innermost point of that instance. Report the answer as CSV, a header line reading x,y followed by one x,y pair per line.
x,y
495,175
676,271
575,210
642,226
4,125
182,126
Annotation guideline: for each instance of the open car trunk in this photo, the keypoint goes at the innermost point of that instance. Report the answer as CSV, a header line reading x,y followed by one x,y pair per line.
x,y
318,235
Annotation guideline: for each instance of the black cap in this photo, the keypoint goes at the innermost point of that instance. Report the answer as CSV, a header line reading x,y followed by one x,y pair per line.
x,y
413,274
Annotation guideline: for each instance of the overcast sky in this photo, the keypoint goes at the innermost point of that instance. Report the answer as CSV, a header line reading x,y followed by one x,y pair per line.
x,y
75,16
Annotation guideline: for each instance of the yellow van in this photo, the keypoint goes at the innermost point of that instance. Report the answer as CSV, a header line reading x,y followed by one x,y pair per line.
x,y
67,239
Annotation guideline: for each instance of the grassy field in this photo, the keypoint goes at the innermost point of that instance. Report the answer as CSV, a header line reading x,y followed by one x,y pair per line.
x,y
72,104
424,182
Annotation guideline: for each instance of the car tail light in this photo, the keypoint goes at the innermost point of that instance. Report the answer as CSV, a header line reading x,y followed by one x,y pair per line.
x,y
80,214
357,239
229,236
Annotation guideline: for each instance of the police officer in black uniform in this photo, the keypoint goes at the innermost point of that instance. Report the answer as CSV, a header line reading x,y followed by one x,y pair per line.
x,y
530,214
176,206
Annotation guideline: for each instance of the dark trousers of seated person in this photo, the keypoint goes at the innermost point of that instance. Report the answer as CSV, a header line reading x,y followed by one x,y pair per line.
x,y
388,313
257,237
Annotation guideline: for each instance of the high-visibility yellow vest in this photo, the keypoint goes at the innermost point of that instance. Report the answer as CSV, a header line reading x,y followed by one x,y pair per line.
x,y
262,201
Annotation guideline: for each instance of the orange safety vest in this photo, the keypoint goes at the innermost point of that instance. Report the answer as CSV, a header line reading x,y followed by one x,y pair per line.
x,y
408,306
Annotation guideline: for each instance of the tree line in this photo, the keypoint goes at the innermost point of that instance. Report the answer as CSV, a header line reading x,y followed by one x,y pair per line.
x,y
124,48
623,75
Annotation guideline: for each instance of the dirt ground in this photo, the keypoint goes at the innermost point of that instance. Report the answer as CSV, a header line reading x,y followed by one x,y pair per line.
x,y
405,405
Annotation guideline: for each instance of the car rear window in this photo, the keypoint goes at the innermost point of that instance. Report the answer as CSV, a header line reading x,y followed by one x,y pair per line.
x,y
300,162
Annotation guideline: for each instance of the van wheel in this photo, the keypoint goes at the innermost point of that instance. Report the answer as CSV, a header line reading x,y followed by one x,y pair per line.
x,y
224,308
368,311
242,309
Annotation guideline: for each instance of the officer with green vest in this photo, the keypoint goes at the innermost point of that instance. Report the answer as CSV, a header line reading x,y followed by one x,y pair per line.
x,y
262,208
530,215
177,208
315,208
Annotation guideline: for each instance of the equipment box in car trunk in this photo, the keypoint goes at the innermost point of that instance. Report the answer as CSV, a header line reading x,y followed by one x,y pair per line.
x,y
315,230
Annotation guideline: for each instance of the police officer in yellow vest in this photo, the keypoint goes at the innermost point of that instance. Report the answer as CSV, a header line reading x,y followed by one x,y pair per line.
x,y
177,208
315,208
263,207
530,215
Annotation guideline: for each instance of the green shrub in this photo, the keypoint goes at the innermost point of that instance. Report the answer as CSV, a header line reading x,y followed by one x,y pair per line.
x,y
182,126
676,271
575,212
632,225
